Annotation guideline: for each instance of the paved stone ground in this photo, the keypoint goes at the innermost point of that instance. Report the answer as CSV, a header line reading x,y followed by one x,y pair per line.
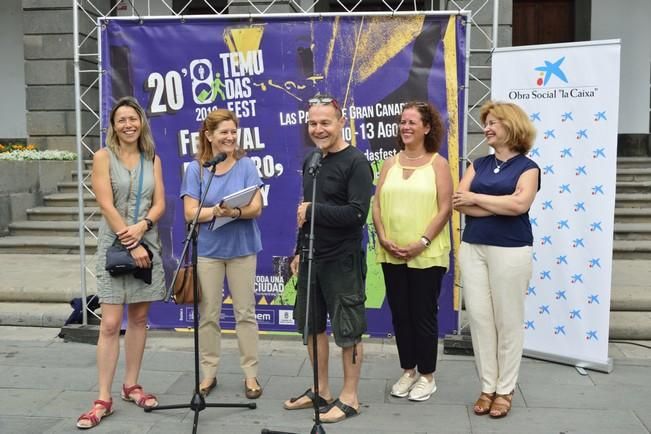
x,y
46,383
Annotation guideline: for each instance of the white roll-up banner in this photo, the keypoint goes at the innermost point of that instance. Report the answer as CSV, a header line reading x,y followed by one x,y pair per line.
x,y
571,93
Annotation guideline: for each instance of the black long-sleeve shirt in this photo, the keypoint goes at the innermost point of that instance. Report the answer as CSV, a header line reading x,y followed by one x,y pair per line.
x,y
343,195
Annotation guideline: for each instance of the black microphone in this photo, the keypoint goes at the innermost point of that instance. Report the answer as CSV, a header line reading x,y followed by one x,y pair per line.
x,y
314,162
218,159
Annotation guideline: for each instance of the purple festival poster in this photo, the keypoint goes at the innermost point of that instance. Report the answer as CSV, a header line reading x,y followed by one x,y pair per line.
x,y
264,69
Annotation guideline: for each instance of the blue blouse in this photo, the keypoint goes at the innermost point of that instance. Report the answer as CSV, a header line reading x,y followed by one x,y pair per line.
x,y
241,237
499,230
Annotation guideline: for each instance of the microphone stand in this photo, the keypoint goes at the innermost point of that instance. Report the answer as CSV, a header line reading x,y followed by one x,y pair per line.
x,y
310,315
198,402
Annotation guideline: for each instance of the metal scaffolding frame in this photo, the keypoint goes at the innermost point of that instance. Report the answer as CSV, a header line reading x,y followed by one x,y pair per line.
x,y
473,81
95,10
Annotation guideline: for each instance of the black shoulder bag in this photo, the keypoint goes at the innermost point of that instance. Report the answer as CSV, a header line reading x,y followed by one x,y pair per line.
x,y
118,259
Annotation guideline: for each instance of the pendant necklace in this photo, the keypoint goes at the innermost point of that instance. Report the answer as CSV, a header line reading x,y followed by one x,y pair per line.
x,y
498,167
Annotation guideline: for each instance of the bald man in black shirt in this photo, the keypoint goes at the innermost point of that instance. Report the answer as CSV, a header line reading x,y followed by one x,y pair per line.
x,y
343,194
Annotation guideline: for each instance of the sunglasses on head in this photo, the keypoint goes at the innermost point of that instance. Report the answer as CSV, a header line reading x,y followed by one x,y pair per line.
x,y
323,100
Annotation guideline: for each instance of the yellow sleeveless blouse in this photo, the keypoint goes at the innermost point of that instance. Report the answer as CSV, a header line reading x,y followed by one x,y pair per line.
x,y
407,206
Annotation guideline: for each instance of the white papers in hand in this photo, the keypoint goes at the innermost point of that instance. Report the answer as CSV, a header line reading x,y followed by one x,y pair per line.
x,y
238,199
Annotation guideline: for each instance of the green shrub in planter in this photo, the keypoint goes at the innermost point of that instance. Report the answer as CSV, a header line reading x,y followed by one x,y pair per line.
x,y
19,155
22,151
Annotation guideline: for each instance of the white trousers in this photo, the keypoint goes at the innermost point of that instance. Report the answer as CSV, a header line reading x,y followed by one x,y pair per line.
x,y
240,273
495,280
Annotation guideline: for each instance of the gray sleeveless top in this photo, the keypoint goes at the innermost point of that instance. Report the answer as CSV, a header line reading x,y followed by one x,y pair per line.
x,y
127,289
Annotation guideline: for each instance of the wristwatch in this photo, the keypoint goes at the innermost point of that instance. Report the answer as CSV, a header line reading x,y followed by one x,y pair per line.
x,y
425,241
150,224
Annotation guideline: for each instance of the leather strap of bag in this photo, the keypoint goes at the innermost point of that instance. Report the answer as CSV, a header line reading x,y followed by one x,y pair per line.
x,y
126,207
139,194
188,262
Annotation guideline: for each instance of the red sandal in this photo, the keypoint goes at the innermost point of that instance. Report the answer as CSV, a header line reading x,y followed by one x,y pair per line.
x,y
92,416
144,397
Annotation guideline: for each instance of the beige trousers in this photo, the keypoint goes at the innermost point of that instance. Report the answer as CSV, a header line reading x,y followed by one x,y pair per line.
x,y
240,273
495,281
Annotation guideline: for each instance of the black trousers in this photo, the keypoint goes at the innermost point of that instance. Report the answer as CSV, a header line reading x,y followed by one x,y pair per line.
x,y
413,298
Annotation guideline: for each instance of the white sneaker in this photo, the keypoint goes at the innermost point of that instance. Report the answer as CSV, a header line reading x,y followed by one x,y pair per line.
x,y
404,384
422,390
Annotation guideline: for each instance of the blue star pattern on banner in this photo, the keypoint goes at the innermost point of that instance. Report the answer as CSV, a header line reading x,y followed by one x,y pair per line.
x,y
570,93
568,279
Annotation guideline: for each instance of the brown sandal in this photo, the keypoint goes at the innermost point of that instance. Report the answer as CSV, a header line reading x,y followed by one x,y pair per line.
x,y
483,404
501,408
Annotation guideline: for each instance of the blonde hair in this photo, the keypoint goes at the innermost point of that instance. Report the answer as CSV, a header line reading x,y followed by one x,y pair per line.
x,y
145,140
211,123
519,129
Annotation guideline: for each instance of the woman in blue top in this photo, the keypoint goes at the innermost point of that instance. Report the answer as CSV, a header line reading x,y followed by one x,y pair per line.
x,y
495,257
227,252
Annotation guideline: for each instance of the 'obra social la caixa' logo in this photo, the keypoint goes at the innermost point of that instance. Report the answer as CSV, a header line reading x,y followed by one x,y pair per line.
x,y
550,69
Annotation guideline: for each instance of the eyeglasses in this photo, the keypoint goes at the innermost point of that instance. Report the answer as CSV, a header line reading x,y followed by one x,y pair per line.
x,y
323,100
418,105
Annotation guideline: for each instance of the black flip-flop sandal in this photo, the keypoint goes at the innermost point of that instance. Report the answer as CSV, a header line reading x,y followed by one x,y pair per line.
x,y
308,404
347,411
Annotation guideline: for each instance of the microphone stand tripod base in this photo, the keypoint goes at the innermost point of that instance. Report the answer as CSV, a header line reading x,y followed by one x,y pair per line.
x,y
198,403
316,429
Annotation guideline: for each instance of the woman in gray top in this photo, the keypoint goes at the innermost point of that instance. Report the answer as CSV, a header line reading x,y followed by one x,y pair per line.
x,y
126,167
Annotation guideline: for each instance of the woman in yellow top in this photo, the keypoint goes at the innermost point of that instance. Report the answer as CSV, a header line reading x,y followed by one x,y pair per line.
x,y
411,209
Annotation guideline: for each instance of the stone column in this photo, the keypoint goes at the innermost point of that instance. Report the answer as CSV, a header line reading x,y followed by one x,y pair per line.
x,y
49,72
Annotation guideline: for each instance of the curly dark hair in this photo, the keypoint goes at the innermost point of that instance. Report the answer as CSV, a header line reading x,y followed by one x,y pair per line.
x,y
431,118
